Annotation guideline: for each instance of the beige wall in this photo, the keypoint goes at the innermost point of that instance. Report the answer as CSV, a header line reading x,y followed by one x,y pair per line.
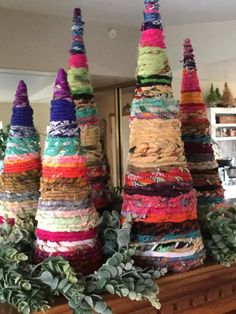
x,y
41,42
106,108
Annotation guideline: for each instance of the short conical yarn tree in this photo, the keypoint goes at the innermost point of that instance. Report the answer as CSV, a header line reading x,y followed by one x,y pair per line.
x,y
87,116
67,219
21,168
196,137
218,94
228,98
212,98
158,186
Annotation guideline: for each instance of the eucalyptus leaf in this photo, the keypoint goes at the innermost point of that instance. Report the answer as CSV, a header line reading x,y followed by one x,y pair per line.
x,y
110,289
46,277
101,283
100,307
125,292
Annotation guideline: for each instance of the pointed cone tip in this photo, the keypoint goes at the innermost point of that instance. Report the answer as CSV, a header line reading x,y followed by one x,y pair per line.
x,y
187,41
21,88
22,84
21,95
61,75
61,88
152,4
77,12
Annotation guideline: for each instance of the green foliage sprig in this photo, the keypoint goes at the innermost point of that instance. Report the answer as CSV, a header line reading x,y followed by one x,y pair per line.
x,y
3,141
30,288
219,231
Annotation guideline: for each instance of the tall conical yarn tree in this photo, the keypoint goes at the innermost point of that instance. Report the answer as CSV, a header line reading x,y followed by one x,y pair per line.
x,y
67,219
158,186
22,165
87,116
196,137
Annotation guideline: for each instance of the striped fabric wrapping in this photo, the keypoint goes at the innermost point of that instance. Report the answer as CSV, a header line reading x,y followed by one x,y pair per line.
x,y
87,117
196,137
158,186
67,219
20,175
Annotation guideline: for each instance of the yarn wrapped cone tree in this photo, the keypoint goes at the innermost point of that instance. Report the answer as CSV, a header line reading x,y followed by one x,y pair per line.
x,y
196,137
22,165
87,116
67,219
158,186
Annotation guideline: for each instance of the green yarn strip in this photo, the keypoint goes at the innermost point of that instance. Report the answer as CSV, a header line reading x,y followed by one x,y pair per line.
x,y
22,145
151,61
86,112
62,146
79,81
156,81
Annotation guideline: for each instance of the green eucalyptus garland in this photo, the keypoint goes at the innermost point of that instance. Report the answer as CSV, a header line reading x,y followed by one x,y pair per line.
x,y
30,288
219,233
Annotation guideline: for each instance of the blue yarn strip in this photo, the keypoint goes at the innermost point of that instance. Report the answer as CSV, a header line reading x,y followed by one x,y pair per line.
x,y
22,116
152,17
77,47
62,110
153,238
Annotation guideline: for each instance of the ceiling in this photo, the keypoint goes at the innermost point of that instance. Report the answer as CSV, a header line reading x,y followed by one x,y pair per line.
x,y
115,12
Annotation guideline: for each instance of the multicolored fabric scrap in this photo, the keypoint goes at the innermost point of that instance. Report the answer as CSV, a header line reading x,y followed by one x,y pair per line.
x,y
20,176
87,116
158,186
67,219
196,137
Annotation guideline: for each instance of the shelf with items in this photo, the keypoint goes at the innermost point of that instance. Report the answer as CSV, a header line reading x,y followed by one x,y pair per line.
x,y
223,123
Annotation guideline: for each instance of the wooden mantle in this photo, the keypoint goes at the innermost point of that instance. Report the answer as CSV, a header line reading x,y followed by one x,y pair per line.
x,y
210,289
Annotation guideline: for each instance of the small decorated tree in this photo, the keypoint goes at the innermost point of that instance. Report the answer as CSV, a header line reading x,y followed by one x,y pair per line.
x,y
22,165
212,98
227,97
218,94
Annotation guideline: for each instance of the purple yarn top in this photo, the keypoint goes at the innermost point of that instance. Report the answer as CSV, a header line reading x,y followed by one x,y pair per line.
x,y
61,87
22,113
21,96
62,105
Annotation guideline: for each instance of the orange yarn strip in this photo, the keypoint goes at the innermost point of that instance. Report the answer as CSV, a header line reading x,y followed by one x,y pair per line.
x,y
191,97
